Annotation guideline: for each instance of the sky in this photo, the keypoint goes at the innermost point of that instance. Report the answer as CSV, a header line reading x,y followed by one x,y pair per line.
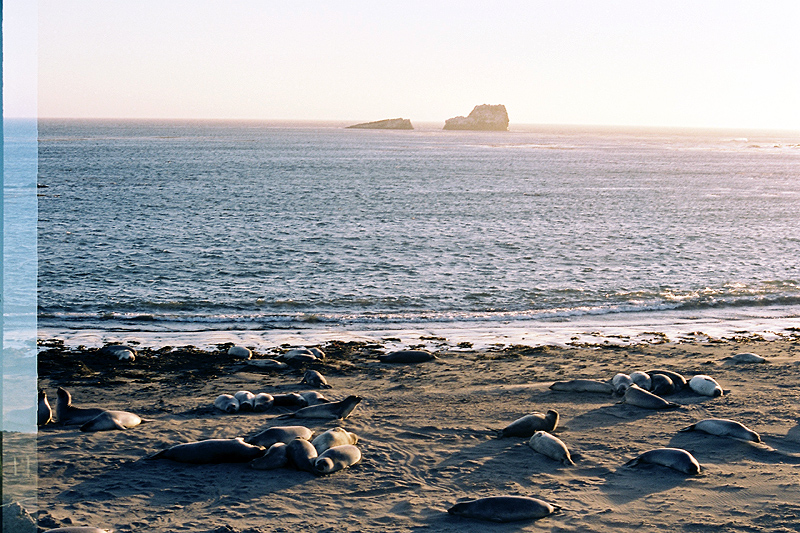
x,y
699,63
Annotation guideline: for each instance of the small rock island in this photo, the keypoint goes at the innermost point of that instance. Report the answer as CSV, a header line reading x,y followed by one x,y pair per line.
x,y
387,124
483,117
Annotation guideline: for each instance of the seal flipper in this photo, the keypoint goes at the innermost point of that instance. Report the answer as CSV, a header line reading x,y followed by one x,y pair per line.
x,y
157,455
688,428
632,462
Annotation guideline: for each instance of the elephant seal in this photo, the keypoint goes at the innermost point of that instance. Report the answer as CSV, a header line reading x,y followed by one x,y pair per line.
x,y
262,402
284,434
319,354
246,400
240,351
109,420
678,381
44,414
621,382
77,529
553,447
267,363
274,458
333,437
642,379
312,378
299,356
705,385
661,385
301,455
227,403
407,356
331,410
504,508
122,353
725,428
530,424
337,458
746,357
212,451
314,398
68,414
639,397
583,385
290,399
674,458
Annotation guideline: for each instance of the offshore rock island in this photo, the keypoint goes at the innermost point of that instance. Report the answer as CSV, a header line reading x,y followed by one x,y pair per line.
x,y
387,124
483,117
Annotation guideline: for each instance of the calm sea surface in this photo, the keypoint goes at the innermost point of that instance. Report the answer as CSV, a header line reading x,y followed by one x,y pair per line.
x,y
175,226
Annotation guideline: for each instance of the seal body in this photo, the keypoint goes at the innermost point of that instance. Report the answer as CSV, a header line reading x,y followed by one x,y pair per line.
x,y
639,397
290,399
661,385
705,385
299,356
122,353
674,458
503,508
621,382
313,397
551,446
333,437
274,458
747,357
212,451
69,414
267,363
240,351
312,378
262,402
284,434
301,455
530,424
583,385
407,356
330,410
227,403
337,458
44,414
678,381
246,400
109,420
725,428
642,379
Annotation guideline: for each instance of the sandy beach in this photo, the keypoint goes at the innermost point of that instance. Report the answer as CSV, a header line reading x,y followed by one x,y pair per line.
x,y
428,435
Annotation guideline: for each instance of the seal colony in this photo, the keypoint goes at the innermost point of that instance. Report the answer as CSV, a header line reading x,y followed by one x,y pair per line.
x,y
424,440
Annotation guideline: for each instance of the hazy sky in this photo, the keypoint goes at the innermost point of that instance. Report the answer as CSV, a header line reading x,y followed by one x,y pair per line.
x,y
632,62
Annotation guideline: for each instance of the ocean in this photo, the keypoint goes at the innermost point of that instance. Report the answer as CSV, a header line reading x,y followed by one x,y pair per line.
x,y
267,233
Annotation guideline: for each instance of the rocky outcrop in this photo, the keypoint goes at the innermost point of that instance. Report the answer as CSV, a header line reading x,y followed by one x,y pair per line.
x,y
483,117
387,124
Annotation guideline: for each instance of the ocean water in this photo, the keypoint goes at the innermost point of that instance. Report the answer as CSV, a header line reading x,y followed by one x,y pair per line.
x,y
173,227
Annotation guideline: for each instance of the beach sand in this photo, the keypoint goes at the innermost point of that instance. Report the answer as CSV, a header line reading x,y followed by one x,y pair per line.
x,y
428,438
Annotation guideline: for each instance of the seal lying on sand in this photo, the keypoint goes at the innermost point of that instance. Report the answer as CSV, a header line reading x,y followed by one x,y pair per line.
x,y
312,378
212,451
504,508
68,414
284,434
530,424
246,400
333,437
621,382
583,385
108,420
227,403
553,447
674,458
337,458
274,458
407,356
289,399
302,455
122,353
678,381
725,428
639,397
705,385
330,410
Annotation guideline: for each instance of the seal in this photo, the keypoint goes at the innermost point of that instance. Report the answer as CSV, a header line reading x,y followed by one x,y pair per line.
x,y
274,458
504,508
705,385
227,403
262,402
746,357
621,382
723,427
639,397
246,400
314,398
108,420
68,414
407,356
642,379
77,529
301,455
674,458
290,399
212,451
44,414
284,434
333,437
122,353
267,363
312,378
337,458
240,351
530,424
583,385
331,410
316,352
551,446
678,381
299,356
661,385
